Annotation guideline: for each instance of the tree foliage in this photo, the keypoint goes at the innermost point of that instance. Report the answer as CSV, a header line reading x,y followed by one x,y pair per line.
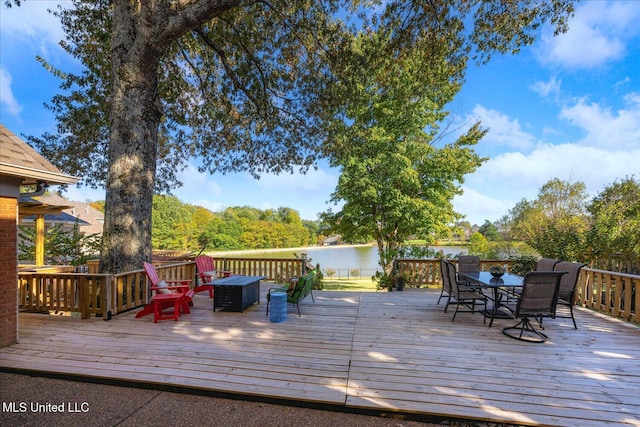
x,y
61,247
614,235
241,85
556,222
478,245
395,181
180,226
562,224
489,230
173,227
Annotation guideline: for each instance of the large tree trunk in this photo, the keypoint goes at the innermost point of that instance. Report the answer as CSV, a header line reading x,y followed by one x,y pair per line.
x,y
135,118
141,31
132,167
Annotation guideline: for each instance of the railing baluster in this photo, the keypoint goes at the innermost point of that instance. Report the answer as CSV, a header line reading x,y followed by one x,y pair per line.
x,y
615,294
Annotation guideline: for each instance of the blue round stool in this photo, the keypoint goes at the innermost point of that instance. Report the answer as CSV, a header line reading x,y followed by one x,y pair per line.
x,y
278,307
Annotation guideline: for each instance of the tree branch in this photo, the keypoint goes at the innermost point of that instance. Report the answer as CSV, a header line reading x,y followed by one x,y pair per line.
x,y
223,58
186,15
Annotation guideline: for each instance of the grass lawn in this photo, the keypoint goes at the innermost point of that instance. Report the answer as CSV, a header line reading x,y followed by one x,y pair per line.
x,y
361,285
357,285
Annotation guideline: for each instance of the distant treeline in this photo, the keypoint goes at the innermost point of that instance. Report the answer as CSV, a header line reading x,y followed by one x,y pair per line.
x,y
180,226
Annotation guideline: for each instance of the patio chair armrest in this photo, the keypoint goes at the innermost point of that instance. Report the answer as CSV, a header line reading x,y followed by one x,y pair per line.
x,y
182,282
181,288
469,284
568,297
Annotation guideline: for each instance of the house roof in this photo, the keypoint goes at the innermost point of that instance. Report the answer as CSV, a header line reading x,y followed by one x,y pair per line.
x,y
59,218
30,206
92,220
18,159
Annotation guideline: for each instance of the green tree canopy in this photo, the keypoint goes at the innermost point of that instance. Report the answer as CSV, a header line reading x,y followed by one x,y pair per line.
x,y
242,85
181,226
479,245
554,224
61,247
172,223
395,182
614,235
222,234
489,230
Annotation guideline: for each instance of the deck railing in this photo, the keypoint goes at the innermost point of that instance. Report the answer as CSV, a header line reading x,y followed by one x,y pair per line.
x,y
52,290
615,294
131,290
272,268
426,272
608,292
105,295
63,293
91,294
276,269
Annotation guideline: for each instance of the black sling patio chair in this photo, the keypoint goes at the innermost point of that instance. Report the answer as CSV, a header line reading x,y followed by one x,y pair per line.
x,y
463,295
446,285
546,264
537,300
543,264
468,264
566,294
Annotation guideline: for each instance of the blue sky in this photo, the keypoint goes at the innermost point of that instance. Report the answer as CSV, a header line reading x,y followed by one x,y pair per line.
x,y
567,107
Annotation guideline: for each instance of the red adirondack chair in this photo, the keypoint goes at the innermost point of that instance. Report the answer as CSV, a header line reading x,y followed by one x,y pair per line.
x,y
165,296
207,272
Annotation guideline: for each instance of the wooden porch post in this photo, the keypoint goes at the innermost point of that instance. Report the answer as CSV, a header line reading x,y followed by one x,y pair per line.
x,y
40,239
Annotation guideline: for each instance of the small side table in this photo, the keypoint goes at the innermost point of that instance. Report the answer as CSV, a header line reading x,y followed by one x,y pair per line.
x,y
278,307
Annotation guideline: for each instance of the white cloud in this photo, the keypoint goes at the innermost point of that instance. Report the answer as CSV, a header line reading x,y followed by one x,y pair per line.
x,y
550,131
33,20
199,189
598,34
513,176
604,128
503,130
478,207
594,166
545,89
622,83
6,94
200,183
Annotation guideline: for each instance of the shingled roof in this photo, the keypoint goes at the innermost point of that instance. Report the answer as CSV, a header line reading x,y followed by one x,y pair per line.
x,y
18,159
92,220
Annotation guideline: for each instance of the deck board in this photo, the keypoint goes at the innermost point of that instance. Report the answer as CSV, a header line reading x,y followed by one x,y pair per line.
x,y
382,351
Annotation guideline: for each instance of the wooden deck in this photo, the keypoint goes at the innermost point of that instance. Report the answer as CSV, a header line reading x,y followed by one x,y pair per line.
x,y
392,352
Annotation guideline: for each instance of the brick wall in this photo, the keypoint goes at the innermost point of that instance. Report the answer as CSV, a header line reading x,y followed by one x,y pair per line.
x,y
8,271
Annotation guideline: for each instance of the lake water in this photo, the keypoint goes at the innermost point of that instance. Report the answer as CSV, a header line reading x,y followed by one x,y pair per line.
x,y
341,259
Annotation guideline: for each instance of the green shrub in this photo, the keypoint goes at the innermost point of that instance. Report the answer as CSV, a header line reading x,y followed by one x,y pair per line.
x,y
523,264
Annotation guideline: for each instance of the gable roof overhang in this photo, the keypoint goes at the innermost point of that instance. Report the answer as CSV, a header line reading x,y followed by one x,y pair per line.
x,y
28,206
31,176
20,161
